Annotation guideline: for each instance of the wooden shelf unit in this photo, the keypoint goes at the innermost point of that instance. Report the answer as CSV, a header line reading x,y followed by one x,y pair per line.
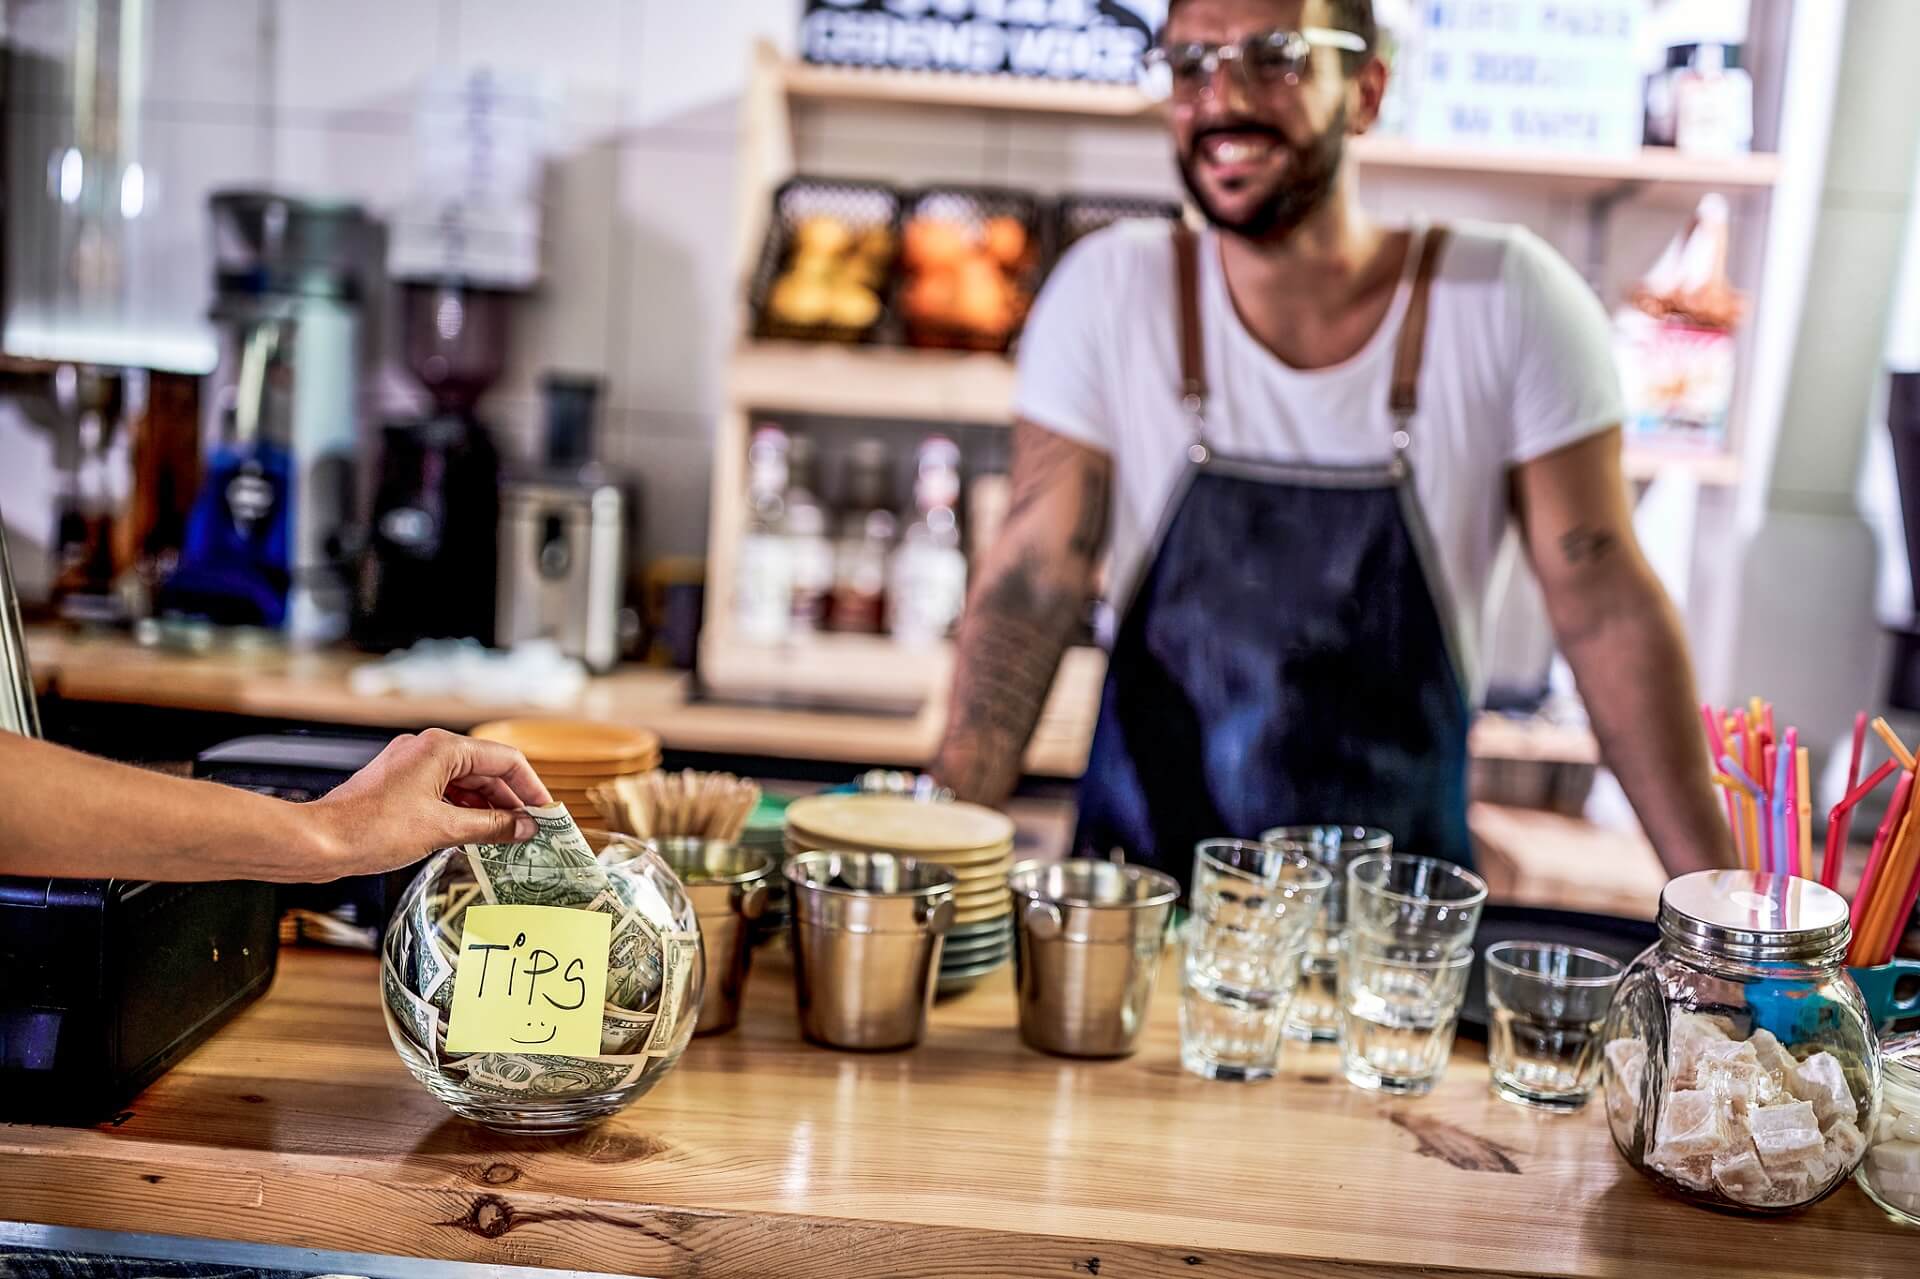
x,y
893,383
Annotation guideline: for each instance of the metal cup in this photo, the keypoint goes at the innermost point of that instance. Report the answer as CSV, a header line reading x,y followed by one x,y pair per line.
x,y
867,931
1089,940
728,885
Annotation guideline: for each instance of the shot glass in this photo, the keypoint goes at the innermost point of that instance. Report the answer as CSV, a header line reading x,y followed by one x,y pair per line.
x,y
1398,1009
1252,907
1315,1013
1547,1004
1418,903
1247,896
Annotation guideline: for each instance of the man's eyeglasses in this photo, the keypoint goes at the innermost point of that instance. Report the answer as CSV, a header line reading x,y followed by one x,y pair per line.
x,y
1263,61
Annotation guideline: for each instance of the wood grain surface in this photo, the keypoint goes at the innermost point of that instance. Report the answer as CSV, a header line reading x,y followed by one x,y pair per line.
x,y
968,1156
275,683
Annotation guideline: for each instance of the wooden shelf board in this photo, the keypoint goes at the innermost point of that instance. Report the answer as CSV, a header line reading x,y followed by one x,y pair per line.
x,y
1652,165
873,381
980,92
959,386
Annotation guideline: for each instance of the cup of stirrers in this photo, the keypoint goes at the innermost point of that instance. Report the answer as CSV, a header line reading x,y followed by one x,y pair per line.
x,y
657,804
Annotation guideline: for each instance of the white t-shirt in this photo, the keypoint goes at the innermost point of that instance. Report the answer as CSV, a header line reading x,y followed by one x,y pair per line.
x,y
1517,364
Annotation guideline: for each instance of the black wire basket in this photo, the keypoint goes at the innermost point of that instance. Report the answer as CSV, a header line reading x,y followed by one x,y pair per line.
x,y
1074,217
857,204
972,208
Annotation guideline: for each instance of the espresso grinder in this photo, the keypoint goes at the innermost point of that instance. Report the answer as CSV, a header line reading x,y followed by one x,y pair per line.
x,y
431,566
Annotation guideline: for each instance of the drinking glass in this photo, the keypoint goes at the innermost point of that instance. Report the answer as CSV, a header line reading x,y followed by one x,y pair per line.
x,y
1398,1008
1252,907
1547,1004
1315,1013
1421,903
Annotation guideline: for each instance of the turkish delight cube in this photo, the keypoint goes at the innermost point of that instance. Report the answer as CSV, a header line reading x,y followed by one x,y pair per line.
x,y
1845,1144
1737,1081
1692,1123
1822,1080
1897,1157
1688,1035
1785,1136
1740,1177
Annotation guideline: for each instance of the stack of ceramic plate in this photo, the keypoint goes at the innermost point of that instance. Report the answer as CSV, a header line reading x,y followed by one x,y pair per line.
x,y
975,843
571,755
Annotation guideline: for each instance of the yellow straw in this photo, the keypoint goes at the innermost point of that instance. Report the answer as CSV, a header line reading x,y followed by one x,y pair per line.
x,y
1871,938
1749,812
1803,798
1894,744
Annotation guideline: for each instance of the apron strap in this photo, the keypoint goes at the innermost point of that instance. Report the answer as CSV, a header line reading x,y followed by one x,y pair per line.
x,y
1404,397
1193,364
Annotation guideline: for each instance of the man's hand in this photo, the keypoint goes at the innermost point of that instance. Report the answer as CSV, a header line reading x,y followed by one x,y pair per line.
x,y
1624,642
425,791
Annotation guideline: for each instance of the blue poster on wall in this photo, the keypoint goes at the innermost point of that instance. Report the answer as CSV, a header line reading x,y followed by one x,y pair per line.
x,y
1099,40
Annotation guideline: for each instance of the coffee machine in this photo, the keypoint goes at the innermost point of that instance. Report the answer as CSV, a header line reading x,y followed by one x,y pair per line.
x,y
266,543
430,565
563,537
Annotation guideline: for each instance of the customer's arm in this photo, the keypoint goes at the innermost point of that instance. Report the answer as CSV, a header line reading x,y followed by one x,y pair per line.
x,y
1026,600
71,815
1620,634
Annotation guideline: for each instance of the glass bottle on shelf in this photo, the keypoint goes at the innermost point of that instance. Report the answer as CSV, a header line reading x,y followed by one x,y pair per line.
x,y
867,530
927,582
763,574
808,546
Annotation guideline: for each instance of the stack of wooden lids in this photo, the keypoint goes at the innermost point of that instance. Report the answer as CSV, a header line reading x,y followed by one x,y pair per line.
x,y
975,843
572,755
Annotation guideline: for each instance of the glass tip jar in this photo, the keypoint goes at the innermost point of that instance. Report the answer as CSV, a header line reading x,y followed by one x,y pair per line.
x,y
1741,1066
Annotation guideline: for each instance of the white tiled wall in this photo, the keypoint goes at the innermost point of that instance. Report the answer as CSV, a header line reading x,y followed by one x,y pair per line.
x,y
639,286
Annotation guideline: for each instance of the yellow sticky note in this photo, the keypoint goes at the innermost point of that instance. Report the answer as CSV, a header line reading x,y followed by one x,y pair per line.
x,y
532,979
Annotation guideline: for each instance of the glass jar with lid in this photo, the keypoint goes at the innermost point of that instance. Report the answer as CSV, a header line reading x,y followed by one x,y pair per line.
x,y
1741,1066
1890,1174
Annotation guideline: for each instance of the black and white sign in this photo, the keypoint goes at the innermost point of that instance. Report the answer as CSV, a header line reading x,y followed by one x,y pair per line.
x,y
1057,39
1560,75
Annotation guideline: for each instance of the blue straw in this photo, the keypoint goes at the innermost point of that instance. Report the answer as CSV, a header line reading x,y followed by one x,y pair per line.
x,y
1783,762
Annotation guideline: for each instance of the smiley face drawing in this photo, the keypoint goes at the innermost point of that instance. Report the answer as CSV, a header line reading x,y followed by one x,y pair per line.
x,y
532,1028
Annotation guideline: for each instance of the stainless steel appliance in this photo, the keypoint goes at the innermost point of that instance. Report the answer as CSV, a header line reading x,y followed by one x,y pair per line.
x,y
267,543
563,538
563,567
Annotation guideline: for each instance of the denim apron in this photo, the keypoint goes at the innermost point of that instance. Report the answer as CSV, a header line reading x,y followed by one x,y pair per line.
x,y
1288,656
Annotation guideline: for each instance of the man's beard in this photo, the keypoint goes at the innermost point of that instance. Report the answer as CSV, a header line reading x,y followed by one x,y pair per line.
x,y
1305,187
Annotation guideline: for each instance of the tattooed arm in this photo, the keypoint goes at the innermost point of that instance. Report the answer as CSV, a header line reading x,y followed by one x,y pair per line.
x,y
1026,601
1620,634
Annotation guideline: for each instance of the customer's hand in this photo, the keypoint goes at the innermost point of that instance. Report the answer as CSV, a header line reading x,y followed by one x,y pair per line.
x,y
425,791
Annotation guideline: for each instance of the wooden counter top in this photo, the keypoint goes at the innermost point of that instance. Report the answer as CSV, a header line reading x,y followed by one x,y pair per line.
x,y
276,683
968,1156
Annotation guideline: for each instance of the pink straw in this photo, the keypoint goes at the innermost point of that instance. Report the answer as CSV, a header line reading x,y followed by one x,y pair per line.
x,y
1881,838
1840,822
1716,747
